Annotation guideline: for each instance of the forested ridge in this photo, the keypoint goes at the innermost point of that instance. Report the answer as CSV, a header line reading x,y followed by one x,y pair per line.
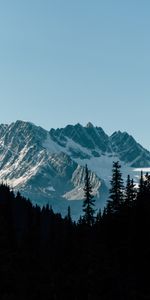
x,y
105,255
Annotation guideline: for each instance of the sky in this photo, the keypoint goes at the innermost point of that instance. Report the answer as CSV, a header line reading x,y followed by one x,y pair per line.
x,y
65,62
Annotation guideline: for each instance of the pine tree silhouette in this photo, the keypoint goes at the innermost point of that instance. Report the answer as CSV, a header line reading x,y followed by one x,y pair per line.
x,y
116,191
88,203
130,193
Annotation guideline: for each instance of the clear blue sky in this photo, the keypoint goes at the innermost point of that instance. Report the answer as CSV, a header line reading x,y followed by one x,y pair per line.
x,y
69,61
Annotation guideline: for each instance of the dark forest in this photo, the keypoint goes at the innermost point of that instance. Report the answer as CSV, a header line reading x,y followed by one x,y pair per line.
x,y
105,255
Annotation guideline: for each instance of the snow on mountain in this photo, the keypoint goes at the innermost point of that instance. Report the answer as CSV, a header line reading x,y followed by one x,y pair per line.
x,y
49,167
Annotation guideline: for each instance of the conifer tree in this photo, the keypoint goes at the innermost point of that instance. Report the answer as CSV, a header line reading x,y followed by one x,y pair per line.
x,y
69,219
141,185
147,183
88,204
144,186
129,192
116,191
141,192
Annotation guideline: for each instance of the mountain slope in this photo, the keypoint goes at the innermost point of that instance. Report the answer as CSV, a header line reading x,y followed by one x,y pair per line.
x,y
49,167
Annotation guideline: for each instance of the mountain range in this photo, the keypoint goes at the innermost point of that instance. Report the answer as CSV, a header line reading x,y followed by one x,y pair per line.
x,y
49,166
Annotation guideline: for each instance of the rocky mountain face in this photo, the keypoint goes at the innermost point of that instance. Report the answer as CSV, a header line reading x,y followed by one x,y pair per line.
x,y
49,167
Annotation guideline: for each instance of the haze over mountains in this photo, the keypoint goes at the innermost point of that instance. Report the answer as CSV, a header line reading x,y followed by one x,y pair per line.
x,y
49,167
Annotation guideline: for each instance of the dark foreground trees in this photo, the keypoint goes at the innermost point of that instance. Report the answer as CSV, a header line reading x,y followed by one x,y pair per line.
x,y
43,256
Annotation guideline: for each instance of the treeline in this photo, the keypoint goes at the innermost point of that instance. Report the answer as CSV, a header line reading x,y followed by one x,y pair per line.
x,y
105,255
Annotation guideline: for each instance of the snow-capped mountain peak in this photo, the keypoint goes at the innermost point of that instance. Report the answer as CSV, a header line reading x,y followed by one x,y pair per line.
x,y
49,166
